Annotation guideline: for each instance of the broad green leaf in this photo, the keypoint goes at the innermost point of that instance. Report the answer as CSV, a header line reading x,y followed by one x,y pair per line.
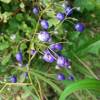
x,y
6,1
4,45
83,84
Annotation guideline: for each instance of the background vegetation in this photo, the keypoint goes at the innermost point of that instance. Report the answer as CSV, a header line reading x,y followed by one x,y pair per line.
x,y
17,26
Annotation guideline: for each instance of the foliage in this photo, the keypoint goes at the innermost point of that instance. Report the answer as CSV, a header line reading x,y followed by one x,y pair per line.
x,y
19,29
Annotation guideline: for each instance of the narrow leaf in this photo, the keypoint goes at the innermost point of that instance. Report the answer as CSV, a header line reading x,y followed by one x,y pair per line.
x,y
83,84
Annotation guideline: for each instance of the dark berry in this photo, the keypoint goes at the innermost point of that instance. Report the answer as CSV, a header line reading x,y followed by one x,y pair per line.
x,y
13,79
44,36
44,24
68,10
79,27
19,57
36,10
60,77
60,16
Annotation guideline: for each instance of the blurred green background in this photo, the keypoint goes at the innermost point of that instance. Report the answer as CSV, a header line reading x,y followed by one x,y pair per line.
x,y
17,25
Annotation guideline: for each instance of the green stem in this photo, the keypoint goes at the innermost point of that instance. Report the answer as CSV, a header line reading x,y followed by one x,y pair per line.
x,y
3,88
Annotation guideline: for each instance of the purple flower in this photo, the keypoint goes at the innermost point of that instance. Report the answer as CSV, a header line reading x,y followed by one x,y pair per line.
x,y
13,79
68,10
32,52
47,51
36,10
60,76
52,46
56,46
44,36
60,16
19,57
67,63
79,27
61,61
44,24
50,40
48,57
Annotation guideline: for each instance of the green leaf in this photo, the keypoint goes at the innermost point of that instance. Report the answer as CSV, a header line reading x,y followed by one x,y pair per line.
x,y
52,22
85,4
23,46
22,5
46,2
52,84
5,16
94,48
98,3
51,14
91,46
19,17
6,59
83,84
4,45
5,1
74,35
13,25
28,92
22,78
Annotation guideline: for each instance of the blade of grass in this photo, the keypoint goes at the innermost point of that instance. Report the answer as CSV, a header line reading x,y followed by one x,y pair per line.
x,y
39,88
44,78
52,84
83,84
85,65
75,79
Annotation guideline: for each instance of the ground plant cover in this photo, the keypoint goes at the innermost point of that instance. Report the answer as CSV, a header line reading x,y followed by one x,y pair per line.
x,y
49,49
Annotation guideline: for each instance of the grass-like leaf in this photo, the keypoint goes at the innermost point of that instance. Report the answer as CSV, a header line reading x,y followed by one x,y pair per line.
x,y
83,84
48,81
92,46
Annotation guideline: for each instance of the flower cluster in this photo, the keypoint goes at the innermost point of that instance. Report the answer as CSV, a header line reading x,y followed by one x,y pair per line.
x,y
50,55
